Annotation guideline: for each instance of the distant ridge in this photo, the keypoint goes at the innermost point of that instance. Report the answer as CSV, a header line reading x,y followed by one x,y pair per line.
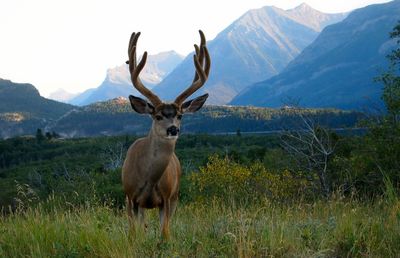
x,y
118,83
338,68
94,119
24,97
256,46
62,95
23,110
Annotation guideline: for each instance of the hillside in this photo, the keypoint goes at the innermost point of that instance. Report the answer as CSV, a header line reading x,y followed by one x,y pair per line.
x,y
255,47
95,119
118,81
23,110
338,68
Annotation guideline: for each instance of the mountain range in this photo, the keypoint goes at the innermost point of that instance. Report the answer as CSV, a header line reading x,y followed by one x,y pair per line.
x,y
338,68
118,81
269,57
256,46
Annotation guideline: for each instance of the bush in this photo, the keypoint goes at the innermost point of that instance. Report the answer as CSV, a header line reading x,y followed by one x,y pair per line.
x,y
225,179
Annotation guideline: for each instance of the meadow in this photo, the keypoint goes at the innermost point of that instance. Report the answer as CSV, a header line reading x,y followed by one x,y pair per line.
x,y
334,228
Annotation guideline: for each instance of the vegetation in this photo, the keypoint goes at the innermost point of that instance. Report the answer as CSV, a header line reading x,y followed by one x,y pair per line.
x,y
243,183
249,168
247,199
337,228
64,166
93,119
380,152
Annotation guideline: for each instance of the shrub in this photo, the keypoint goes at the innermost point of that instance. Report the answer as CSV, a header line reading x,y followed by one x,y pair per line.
x,y
225,179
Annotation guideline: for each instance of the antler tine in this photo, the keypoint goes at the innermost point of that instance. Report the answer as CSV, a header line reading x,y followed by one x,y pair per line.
x,y
200,52
208,62
200,59
135,70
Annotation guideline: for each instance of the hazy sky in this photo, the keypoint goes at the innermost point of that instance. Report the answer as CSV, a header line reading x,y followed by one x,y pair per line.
x,y
70,44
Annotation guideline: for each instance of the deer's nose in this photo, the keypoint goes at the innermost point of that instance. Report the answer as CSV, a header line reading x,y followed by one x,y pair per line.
x,y
173,131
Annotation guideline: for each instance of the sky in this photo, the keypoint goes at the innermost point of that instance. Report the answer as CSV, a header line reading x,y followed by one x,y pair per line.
x,y
70,44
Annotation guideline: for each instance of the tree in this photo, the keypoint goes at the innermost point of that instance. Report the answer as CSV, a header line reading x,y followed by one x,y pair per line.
x,y
238,132
377,161
55,135
48,136
312,147
39,135
391,81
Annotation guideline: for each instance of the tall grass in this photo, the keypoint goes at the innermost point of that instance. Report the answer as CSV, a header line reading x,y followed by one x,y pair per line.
x,y
334,228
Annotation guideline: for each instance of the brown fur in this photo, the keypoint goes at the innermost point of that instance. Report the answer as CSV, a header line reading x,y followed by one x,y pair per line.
x,y
150,177
151,170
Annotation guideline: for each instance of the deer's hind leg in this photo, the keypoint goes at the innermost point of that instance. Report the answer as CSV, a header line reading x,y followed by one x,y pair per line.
x,y
132,210
174,203
142,218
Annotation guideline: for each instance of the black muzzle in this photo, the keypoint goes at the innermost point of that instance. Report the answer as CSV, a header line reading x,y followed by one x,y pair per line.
x,y
172,131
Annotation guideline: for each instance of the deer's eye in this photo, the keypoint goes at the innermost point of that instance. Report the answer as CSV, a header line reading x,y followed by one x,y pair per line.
x,y
179,117
158,117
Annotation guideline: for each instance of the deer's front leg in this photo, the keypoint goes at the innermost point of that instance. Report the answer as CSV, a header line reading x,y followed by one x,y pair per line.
x,y
165,218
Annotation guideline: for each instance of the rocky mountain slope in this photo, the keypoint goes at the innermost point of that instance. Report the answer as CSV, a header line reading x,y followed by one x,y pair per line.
x,y
255,47
338,68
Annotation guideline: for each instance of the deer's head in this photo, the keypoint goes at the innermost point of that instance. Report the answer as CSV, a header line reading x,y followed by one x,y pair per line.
x,y
167,116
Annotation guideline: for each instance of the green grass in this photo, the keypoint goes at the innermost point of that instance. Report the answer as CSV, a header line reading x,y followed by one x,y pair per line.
x,y
335,228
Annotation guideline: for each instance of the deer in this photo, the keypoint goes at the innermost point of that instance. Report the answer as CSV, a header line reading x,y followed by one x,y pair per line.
x,y
151,171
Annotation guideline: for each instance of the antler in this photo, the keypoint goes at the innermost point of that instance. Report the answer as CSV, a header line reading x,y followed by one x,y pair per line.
x,y
201,58
135,70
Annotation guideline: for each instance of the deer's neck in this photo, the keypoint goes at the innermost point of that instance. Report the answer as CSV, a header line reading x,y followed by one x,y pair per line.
x,y
160,152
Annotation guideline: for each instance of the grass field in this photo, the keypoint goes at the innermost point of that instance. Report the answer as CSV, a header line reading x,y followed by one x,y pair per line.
x,y
334,228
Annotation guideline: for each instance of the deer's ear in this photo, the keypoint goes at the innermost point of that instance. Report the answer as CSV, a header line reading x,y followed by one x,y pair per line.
x,y
193,105
140,105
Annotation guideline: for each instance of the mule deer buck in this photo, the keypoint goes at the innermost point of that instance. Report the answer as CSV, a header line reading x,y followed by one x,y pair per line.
x,y
151,170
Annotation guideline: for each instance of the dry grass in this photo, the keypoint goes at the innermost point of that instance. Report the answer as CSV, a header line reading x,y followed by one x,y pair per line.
x,y
335,228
